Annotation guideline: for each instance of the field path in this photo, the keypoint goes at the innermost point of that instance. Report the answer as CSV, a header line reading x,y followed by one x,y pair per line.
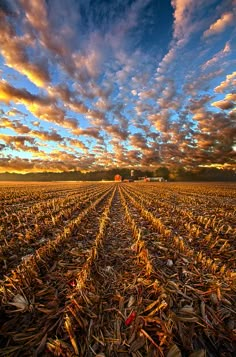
x,y
113,289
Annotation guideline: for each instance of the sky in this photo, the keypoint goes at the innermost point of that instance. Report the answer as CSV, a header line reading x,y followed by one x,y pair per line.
x,y
99,84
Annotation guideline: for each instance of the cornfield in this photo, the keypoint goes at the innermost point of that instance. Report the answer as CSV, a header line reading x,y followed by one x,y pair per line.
x,y
117,269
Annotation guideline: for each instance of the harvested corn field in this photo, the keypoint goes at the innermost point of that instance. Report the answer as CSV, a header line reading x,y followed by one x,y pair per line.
x,y
117,269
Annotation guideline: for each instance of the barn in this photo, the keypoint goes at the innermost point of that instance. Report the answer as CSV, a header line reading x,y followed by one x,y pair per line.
x,y
118,178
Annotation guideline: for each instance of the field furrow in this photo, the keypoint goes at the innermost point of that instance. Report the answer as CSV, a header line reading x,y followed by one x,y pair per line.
x,y
111,294
117,269
189,280
216,243
42,286
37,228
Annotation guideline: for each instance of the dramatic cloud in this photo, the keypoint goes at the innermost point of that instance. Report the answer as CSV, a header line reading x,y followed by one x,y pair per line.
x,y
89,85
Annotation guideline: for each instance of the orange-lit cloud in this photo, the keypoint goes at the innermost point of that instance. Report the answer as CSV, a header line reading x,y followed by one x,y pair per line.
x,y
229,82
9,93
224,104
13,50
16,125
41,107
18,143
46,136
220,25
78,144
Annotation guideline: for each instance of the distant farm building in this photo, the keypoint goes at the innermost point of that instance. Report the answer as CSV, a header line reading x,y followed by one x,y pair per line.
x,y
118,178
154,179
151,179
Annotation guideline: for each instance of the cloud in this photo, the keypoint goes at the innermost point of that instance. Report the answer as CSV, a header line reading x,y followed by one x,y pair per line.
x,y
89,64
142,107
9,93
82,59
6,8
186,23
124,25
183,10
13,49
90,132
217,57
138,141
215,136
167,59
18,143
94,86
78,144
231,97
103,104
197,104
46,136
16,125
223,104
201,82
148,94
160,120
116,131
67,162
40,106
37,17
229,82
15,112
97,118
220,25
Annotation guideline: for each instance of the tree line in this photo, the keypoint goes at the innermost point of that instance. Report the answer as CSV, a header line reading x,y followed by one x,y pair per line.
x,y
169,174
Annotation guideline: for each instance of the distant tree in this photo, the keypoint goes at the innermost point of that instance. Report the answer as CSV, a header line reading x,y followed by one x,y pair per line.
x,y
163,172
178,174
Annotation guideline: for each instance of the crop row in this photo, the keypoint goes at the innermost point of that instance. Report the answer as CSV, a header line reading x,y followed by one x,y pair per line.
x,y
198,298
42,286
22,234
116,269
215,240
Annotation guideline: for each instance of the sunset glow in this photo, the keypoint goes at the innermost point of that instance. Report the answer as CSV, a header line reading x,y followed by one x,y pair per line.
x,y
94,84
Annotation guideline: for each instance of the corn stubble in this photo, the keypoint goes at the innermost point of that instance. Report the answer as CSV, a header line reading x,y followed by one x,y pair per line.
x,y
114,269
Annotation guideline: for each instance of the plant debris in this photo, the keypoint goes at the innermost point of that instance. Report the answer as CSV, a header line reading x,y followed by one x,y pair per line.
x,y
114,269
